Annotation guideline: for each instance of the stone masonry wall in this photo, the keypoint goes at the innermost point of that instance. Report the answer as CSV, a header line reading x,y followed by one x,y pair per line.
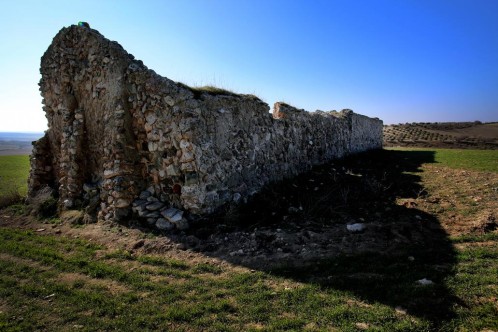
x,y
125,142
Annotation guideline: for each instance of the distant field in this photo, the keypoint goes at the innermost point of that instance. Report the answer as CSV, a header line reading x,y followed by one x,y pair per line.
x,y
14,172
471,135
17,143
9,148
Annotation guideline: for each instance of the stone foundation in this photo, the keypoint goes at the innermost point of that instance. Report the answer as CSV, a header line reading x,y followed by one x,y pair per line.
x,y
123,140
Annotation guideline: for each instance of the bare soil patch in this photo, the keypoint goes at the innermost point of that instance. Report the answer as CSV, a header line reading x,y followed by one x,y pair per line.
x,y
464,201
488,130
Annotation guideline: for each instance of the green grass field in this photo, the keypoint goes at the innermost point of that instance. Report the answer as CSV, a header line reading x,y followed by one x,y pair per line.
x,y
68,285
59,282
479,160
14,172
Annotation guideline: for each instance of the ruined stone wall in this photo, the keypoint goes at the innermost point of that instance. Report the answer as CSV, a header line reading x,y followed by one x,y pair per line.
x,y
123,140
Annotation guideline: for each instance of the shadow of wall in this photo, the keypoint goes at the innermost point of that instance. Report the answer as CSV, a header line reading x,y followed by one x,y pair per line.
x,y
298,229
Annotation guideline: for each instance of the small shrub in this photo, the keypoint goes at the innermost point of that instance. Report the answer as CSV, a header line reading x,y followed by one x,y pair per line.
x,y
48,208
18,209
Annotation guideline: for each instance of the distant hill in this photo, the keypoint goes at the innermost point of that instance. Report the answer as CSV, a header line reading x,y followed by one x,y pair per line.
x,y
472,135
17,143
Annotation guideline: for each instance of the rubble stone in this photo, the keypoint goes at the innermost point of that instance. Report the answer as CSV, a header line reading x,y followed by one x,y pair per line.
x,y
164,225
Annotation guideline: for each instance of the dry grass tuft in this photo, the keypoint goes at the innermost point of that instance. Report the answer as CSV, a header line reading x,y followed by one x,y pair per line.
x,y
10,198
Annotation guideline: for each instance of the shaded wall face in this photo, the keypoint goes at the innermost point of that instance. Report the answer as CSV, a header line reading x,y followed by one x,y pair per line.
x,y
121,135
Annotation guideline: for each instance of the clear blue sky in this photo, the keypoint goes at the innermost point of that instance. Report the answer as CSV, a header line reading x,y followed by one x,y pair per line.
x,y
399,60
